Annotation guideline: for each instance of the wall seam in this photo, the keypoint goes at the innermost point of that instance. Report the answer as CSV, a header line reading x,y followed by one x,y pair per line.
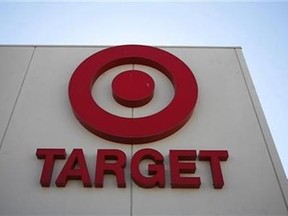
x,y
131,181
261,129
17,98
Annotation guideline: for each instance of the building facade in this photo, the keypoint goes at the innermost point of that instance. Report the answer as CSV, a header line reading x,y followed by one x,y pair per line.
x,y
53,160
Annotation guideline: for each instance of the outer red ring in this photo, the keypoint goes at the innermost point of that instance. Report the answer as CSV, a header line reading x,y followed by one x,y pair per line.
x,y
133,130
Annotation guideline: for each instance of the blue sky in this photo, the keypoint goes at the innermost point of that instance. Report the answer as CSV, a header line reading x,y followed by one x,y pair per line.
x,y
261,29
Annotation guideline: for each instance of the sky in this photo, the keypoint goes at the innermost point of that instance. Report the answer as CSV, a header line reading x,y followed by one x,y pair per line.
x,y
260,28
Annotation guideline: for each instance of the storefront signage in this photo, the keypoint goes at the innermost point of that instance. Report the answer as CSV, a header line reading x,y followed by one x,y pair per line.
x,y
133,88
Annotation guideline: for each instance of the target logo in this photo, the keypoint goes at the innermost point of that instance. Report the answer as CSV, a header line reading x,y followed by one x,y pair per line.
x,y
130,89
133,88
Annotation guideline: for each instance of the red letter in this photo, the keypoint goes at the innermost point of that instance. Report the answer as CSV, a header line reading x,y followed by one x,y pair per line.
x,y
215,157
178,181
49,156
116,168
70,172
156,169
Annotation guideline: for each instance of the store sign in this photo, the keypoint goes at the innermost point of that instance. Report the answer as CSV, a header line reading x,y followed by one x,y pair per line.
x,y
133,130
181,162
133,88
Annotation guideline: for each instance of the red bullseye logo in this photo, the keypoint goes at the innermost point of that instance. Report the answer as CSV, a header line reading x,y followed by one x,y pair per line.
x,y
133,88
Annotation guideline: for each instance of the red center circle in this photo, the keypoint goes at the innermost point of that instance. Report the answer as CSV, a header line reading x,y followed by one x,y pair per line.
x,y
133,130
133,88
